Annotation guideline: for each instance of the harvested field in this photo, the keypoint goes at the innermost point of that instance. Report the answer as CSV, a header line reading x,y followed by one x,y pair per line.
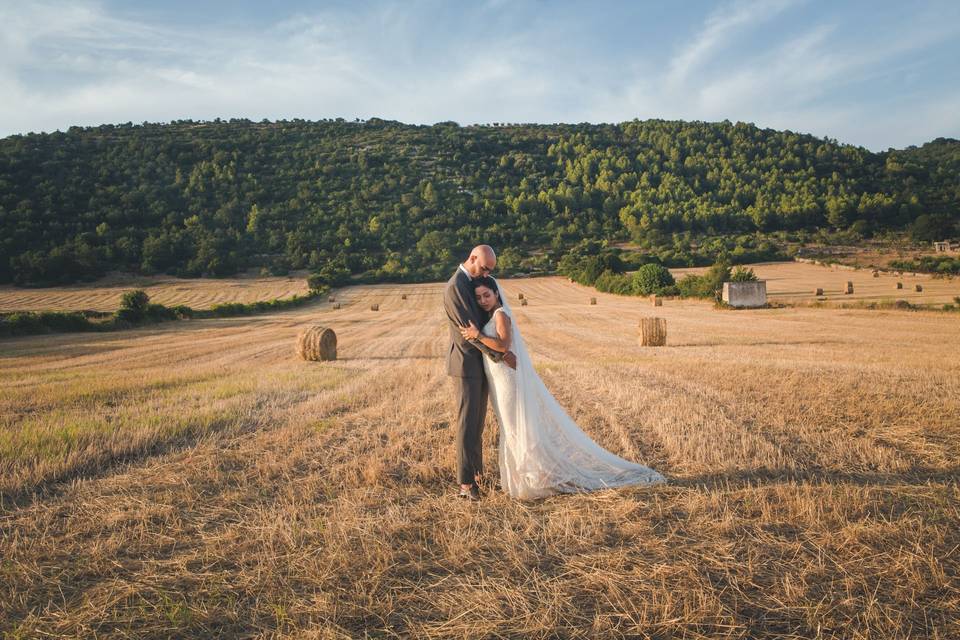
x,y
796,282
198,479
105,294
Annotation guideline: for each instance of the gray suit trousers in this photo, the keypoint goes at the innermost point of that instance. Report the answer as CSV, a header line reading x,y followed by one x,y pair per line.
x,y
471,395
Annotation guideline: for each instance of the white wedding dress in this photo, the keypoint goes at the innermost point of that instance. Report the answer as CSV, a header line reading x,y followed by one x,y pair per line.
x,y
542,451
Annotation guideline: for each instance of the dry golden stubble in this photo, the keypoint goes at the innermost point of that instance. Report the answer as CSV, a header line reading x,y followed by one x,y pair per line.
x,y
812,457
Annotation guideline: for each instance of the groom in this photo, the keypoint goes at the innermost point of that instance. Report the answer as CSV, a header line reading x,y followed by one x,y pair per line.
x,y
465,365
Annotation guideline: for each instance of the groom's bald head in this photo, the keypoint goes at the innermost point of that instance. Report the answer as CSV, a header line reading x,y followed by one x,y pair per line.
x,y
482,260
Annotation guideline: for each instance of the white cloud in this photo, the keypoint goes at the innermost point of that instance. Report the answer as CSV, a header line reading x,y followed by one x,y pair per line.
x,y
813,81
719,31
71,63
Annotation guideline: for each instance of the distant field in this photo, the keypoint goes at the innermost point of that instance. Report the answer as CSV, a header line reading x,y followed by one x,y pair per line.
x,y
196,479
867,255
789,282
199,293
796,282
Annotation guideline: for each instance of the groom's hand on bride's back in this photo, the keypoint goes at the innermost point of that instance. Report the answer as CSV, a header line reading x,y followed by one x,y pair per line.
x,y
510,359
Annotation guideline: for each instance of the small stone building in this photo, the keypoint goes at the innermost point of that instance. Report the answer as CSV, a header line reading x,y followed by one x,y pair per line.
x,y
942,247
745,294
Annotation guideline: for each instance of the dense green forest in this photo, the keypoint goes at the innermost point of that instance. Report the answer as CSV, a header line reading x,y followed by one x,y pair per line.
x,y
389,201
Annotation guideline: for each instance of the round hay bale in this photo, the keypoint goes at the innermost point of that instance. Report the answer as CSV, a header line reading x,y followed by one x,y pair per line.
x,y
331,299
919,288
519,296
403,297
336,305
374,307
818,292
317,343
656,301
849,288
593,301
523,302
899,285
653,332
876,274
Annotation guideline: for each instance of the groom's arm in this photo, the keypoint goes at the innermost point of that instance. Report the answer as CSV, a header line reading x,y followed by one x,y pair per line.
x,y
460,311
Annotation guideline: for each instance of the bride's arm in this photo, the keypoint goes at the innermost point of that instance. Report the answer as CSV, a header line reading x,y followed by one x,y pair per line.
x,y
502,341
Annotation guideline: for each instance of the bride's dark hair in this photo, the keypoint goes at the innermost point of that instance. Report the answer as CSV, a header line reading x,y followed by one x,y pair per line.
x,y
489,283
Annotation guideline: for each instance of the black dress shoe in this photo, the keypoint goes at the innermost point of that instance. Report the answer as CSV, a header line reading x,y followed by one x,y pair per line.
x,y
473,493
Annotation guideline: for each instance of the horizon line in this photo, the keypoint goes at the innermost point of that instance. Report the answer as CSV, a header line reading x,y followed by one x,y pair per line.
x,y
486,124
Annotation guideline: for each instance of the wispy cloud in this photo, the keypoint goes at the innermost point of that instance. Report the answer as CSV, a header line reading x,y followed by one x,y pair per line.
x,y
775,62
719,31
814,77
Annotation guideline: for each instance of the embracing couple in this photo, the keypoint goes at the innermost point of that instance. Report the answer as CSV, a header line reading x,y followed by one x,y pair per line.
x,y
542,451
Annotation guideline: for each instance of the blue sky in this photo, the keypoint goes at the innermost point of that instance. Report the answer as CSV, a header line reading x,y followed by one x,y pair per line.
x,y
878,74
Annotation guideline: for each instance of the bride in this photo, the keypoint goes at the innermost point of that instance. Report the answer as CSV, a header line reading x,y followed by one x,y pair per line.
x,y
542,450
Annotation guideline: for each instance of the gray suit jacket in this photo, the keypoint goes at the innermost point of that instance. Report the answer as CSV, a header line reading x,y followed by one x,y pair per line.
x,y
465,358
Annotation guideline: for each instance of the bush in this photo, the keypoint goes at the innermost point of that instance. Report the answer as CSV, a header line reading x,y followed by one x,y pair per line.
x,y
742,274
241,309
709,285
17,324
24,323
159,312
651,278
692,286
134,306
610,282
316,282
182,311
716,276
929,264
332,274
128,316
230,309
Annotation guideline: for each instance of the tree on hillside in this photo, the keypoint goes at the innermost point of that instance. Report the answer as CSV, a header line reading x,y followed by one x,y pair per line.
x,y
401,201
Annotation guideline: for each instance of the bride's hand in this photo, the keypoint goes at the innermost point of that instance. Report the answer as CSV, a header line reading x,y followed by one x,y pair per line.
x,y
470,332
